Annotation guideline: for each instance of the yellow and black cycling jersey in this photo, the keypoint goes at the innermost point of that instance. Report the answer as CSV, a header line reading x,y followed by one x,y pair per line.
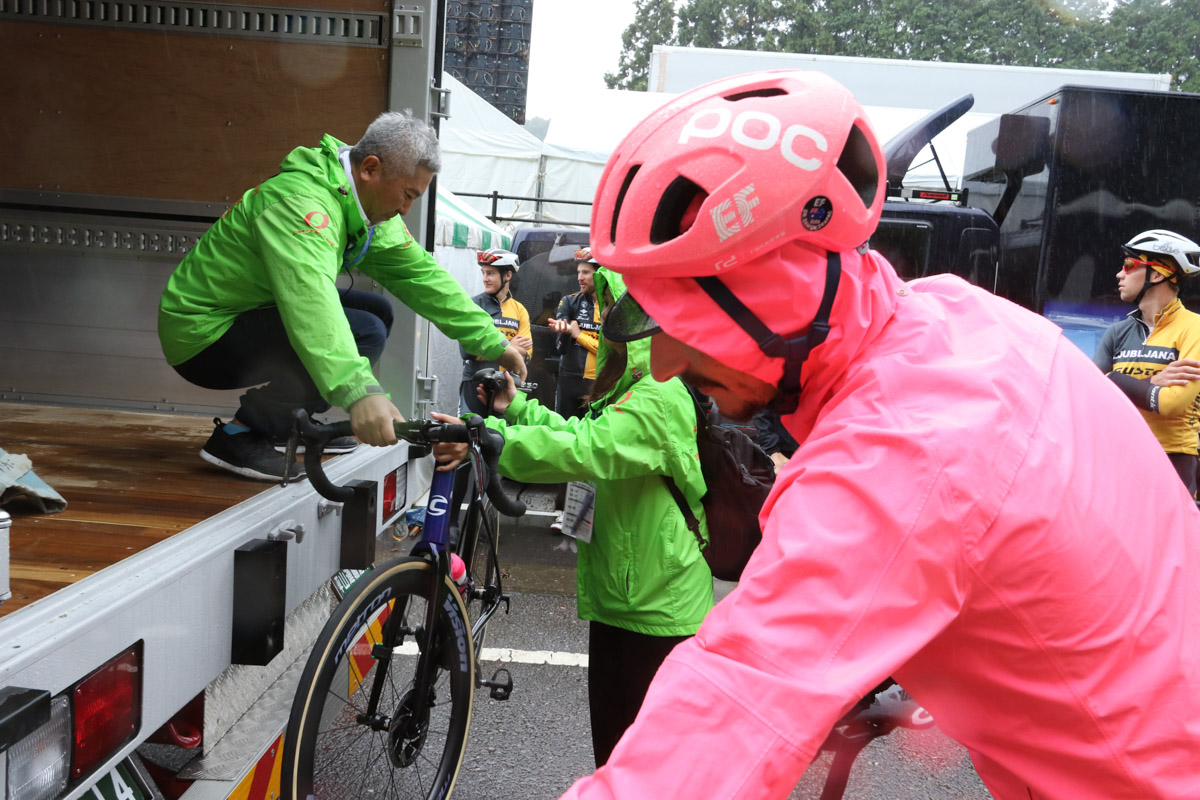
x,y
1131,352
509,317
579,355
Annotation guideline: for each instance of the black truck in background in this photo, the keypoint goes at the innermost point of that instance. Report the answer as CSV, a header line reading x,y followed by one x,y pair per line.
x,y
1049,194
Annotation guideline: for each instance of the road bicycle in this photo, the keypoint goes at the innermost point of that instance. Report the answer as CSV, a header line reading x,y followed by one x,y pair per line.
x,y
384,702
383,706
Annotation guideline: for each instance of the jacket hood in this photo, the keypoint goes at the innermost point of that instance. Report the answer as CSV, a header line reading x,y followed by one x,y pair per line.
x,y
637,352
321,163
783,289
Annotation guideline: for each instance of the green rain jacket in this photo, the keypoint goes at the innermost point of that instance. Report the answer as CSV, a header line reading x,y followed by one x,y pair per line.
x,y
643,570
283,244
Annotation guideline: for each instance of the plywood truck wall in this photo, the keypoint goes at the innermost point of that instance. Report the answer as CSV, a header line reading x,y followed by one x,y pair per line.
x,y
171,106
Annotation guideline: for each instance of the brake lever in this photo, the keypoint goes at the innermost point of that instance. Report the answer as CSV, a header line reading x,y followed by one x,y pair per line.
x,y
289,458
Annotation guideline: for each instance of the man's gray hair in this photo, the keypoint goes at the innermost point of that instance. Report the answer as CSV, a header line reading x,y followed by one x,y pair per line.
x,y
402,142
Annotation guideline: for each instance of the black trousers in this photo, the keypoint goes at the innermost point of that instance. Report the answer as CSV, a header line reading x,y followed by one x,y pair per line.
x,y
255,350
1186,465
570,393
621,665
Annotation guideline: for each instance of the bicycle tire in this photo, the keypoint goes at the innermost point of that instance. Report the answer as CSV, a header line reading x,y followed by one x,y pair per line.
x,y
329,753
480,566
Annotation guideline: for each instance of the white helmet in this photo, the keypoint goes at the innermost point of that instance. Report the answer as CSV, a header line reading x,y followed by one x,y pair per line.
x,y
501,259
1179,253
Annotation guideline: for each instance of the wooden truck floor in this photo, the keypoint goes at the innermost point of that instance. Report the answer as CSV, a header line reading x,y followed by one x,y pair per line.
x,y
130,479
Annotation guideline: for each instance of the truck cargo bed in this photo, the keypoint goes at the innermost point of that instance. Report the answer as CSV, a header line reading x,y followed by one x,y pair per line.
x,y
131,479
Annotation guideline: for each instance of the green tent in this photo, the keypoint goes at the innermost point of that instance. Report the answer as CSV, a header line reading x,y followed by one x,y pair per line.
x,y
460,225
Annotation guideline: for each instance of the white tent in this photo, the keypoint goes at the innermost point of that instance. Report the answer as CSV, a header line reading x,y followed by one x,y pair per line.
x,y
484,151
580,140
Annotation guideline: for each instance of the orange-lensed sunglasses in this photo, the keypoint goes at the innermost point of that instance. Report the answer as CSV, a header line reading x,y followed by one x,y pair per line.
x,y
1135,263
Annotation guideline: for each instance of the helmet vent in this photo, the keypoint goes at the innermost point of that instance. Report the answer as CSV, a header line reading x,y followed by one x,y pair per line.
x,y
774,91
676,210
857,163
612,234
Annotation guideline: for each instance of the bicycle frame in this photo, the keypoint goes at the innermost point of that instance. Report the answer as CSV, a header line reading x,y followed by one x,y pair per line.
x,y
434,546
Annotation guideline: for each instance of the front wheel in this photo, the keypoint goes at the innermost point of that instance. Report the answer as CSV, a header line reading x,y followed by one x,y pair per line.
x,y
358,728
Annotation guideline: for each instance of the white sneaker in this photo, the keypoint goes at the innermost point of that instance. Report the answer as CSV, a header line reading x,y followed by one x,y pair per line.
x,y
557,524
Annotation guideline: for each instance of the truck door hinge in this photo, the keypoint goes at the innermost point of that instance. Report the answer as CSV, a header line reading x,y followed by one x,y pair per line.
x,y
441,102
426,389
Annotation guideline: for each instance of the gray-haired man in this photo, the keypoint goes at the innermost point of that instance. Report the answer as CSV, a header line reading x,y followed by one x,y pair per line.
x,y
255,302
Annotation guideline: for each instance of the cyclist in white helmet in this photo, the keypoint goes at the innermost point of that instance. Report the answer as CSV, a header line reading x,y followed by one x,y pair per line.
x,y
973,509
498,267
1154,353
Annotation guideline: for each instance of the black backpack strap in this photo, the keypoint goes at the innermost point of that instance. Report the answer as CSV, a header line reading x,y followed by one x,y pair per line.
x,y
693,524
688,517
702,422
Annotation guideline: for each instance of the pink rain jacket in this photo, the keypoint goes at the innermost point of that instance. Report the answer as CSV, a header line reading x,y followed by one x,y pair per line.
x,y
978,512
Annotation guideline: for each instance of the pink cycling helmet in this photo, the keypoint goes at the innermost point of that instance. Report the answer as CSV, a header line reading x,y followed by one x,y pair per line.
x,y
734,169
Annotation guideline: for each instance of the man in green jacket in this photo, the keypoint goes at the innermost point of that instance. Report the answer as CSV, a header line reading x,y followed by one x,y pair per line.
x,y
255,302
642,582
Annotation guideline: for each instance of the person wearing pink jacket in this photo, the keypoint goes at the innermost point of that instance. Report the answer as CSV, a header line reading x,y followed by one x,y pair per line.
x,y
973,510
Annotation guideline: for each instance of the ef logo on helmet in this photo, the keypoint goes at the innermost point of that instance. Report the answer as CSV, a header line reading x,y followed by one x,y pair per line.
x,y
724,216
712,123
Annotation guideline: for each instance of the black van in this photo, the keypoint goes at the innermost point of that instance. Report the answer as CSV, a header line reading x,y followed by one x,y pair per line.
x,y
547,274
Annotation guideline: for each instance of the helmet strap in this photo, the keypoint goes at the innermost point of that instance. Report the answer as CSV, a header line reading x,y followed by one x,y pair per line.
x,y
505,280
793,351
1146,284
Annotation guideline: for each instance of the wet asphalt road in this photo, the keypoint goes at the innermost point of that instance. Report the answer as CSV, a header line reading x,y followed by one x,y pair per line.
x,y
536,744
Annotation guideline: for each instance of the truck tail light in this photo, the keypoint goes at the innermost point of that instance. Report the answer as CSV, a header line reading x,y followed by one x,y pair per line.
x,y
395,492
389,495
39,764
108,710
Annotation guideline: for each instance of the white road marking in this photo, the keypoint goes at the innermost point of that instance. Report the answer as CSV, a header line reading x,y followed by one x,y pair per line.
x,y
511,656
550,657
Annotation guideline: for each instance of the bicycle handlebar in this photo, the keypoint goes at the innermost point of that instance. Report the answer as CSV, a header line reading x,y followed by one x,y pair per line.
x,y
493,381
422,432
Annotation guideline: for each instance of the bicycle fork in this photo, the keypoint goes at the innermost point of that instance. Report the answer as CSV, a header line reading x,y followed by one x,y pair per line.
x,y
433,543
406,726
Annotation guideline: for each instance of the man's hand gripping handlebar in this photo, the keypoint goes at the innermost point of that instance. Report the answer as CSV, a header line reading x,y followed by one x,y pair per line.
x,y
485,445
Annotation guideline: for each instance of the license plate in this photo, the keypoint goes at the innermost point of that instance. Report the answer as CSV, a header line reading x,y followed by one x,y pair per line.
x,y
120,783
344,581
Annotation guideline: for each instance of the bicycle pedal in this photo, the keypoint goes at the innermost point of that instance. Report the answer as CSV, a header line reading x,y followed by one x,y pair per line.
x,y
501,684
